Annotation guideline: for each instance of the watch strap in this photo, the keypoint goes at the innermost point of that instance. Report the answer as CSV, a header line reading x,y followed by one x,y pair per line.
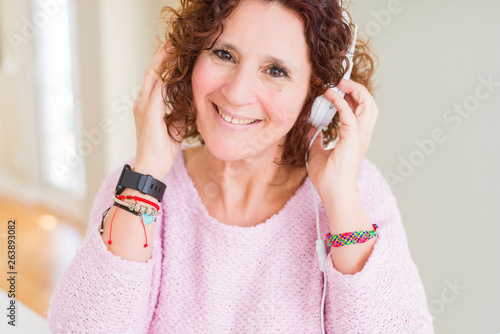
x,y
146,184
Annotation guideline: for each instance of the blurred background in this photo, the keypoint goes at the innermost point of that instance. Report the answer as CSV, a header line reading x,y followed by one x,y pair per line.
x,y
70,71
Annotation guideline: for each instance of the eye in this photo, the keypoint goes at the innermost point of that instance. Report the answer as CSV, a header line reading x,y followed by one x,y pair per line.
x,y
277,72
223,54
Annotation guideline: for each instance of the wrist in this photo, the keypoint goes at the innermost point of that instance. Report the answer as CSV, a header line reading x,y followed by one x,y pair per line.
x,y
149,169
341,194
346,213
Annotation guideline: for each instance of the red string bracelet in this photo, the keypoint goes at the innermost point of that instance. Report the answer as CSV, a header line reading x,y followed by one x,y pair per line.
x,y
111,226
137,198
119,206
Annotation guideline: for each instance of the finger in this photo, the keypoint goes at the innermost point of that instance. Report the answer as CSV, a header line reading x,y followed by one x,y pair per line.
x,y
360,99
152,73
158,39
352,103
156,99
346,115
366,121
357,91
369,123
366,118
316,150
366,115
318,141
311,132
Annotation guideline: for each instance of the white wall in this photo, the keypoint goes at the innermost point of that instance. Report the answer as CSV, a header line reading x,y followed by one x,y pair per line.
x,y
432,56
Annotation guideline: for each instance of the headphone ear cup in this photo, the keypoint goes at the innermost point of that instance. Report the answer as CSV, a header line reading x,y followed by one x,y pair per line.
x,y
322,112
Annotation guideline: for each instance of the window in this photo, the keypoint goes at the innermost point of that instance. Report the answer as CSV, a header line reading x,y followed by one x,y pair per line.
x,y
62,162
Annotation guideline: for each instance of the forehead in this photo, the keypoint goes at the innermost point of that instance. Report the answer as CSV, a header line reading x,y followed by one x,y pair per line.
x,y
266,27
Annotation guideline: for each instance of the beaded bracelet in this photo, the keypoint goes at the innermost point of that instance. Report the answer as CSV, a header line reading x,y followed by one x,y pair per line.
x,y
145,210
124,207
350,238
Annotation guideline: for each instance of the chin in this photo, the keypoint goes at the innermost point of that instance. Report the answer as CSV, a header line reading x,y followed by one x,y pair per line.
x,y
230,151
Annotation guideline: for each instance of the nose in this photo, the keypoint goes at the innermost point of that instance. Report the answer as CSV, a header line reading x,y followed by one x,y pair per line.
x,y
239,87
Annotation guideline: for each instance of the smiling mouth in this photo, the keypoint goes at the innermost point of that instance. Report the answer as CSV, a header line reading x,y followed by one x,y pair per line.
x,y
236,121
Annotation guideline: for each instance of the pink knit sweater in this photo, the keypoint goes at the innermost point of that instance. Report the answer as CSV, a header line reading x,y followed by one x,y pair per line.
x,y
208,277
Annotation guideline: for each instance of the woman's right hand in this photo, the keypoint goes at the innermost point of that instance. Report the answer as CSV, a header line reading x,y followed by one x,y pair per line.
x,y
156,150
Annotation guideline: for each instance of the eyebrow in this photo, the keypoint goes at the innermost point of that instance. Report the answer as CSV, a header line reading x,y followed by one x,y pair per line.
x,y
268,58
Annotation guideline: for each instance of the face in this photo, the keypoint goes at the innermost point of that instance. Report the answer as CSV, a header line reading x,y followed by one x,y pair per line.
x,y
257,75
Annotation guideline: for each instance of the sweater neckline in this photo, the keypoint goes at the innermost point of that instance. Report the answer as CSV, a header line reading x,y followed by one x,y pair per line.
x,y
270,223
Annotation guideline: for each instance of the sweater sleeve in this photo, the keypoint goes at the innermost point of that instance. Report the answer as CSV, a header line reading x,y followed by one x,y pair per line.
x,y
387,295
101,292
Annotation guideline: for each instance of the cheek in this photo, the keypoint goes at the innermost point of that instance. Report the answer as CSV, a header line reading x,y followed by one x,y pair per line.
x,y
201,80
284,106
196,81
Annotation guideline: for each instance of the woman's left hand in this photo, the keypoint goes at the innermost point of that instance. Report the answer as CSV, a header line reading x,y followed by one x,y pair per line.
x,y
335,171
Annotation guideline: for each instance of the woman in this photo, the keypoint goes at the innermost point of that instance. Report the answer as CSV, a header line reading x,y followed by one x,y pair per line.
x,y
232,248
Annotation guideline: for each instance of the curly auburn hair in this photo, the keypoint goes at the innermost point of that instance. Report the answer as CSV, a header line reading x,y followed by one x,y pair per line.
x,y
195,27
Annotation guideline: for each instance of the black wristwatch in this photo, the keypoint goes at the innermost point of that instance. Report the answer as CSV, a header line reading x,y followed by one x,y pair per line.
x,y
146,184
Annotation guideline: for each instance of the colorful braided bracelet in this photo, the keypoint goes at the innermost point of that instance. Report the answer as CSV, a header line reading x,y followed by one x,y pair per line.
x,y
350,238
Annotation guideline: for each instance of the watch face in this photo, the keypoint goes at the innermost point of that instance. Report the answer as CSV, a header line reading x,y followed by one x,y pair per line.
x,y
119,188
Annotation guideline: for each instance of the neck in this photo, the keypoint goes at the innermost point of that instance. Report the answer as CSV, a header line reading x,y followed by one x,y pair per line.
x,y
244,185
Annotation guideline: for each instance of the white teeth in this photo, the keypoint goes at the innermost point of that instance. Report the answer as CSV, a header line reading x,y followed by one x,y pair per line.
x,y
235,121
